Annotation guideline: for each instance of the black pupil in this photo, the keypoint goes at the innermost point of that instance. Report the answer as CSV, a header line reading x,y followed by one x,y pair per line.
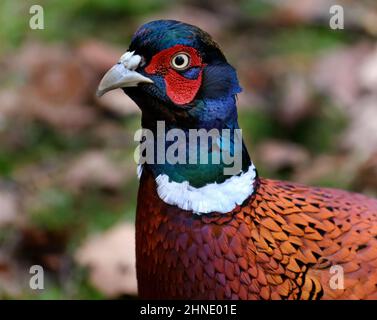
x,y
179,60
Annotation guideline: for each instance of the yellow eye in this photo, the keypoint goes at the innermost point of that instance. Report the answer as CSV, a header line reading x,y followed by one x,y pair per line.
x,y
180,61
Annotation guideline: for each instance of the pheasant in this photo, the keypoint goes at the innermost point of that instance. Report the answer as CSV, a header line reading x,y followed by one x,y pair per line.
x,y
204,234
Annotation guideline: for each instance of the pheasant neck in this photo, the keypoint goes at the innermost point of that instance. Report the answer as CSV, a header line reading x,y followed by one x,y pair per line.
x,y
214,186
198,157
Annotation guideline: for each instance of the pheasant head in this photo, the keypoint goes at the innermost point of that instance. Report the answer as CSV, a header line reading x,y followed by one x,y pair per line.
x,y
170,69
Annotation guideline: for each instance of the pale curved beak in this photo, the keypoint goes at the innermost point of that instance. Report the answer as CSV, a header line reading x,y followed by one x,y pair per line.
x,y
122,75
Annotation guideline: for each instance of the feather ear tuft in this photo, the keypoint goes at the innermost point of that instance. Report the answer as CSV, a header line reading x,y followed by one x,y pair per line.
x,y
219,80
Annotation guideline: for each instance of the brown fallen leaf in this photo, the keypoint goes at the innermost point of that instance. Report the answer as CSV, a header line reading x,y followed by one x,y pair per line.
x,y
361,135
368,71
64,117
10,105
118,102
53,74
366,177
204,19
95,169
8,208
277,155
98,56
111,260
11,281
342,83
302,11
296,101
340,168
46,248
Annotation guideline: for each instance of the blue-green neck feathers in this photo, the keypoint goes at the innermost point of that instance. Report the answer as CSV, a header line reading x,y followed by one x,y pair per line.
x,y
209,114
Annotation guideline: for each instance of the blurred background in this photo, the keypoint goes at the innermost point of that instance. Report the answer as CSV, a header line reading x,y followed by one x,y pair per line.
x,y
67,175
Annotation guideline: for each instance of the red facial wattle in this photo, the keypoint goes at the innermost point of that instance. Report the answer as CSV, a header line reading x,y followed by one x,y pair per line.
x,y
179,89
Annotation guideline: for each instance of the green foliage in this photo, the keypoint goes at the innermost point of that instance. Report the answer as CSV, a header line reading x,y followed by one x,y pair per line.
x,y
305,40
56,210
257,125
257,9
93,211
320,132
100,8
73,19
75,287
334,180
36,142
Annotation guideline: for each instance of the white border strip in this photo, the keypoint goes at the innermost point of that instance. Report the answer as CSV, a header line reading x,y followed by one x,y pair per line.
x,y
214,197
